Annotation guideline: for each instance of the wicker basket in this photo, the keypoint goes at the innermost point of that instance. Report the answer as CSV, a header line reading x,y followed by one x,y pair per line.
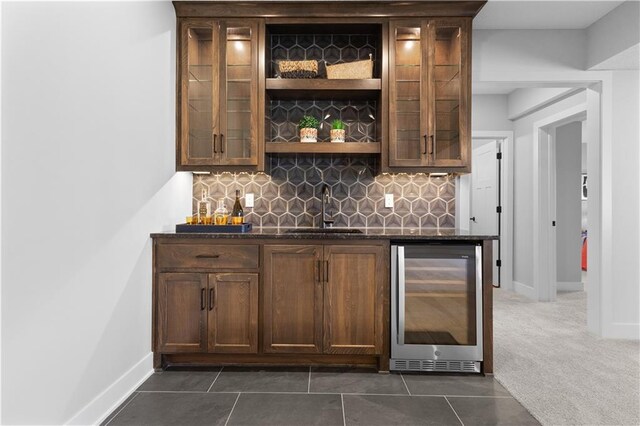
x,y
351,70
298,69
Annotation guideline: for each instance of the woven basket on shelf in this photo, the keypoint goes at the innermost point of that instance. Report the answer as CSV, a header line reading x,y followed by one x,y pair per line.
x,y
298,69
351,70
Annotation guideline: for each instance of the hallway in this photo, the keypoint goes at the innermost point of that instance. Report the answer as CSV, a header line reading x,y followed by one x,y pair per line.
x,y
562,374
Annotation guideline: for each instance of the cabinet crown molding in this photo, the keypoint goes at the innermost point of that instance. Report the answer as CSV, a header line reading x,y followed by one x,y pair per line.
x,y
326,9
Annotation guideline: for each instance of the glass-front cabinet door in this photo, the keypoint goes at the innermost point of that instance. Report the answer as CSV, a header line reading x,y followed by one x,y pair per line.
x,y
198,88
239,93
449,92
218,93
429,90
407,94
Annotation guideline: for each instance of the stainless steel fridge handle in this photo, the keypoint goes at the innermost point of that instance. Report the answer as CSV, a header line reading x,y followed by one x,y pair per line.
x,y
401,294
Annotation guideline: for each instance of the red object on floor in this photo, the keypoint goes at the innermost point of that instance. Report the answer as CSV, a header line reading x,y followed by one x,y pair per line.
x,y
584,255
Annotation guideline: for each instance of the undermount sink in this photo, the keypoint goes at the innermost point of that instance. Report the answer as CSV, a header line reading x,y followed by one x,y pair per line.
x,y
323,231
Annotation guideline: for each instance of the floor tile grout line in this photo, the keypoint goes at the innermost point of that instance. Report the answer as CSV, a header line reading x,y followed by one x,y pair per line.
x,y
454,411
233,408
344,417
309,385
214,380
474,396
125,406
405,384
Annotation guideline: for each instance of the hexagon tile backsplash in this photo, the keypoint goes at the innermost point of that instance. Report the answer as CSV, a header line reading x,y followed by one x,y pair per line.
x,y
290,195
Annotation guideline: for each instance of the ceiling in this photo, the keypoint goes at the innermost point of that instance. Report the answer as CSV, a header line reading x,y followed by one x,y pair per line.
x,y
541,15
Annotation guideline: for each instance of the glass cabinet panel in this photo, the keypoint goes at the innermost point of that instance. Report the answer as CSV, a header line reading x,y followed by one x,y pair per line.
x,y
407,97
199,94
447,72
240,88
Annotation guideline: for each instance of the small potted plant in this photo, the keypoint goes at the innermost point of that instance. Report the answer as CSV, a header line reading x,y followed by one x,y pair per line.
x,y
308,129
337,131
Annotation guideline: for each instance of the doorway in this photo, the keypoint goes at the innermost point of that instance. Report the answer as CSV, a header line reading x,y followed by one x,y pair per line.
x,y
485,201
546,233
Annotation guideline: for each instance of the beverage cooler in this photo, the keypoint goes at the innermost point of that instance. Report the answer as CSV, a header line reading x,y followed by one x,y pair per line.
x,y
436,307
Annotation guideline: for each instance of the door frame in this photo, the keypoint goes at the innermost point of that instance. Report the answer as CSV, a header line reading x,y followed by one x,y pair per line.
x,y
544,200
505,139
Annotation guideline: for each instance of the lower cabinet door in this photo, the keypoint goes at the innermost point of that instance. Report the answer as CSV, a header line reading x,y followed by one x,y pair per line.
x,y
232,302
182,314
353,299
292,299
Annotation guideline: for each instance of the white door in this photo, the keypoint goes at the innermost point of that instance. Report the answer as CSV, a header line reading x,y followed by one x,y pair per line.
x,y
484,192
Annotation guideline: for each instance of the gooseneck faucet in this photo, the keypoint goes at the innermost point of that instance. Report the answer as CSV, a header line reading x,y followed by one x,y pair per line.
x,y
326,199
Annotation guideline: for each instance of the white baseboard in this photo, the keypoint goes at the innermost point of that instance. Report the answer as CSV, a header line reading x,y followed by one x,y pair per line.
x,y
570,286
108,400
525,290
620,330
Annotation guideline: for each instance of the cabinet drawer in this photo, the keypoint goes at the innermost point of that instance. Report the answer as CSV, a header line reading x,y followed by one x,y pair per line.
x,y
207,256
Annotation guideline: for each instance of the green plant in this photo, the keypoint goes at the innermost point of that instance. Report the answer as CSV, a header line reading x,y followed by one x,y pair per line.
x,y
308,122
337,125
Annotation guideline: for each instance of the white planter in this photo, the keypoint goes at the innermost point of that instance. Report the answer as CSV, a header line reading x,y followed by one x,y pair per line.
x,y
308,135
337,135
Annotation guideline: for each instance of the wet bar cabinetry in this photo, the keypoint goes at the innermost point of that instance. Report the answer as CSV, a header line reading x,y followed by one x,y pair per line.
x,y
413,115
218,114
271,302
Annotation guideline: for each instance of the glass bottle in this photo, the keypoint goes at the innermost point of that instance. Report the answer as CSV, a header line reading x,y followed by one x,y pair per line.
x,y
204,208
237,214
221,215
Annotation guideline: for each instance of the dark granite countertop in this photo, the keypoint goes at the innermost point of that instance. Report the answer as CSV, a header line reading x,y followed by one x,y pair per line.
x,y
367,234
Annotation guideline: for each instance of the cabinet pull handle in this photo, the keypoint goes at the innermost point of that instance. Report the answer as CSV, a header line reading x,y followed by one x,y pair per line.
x,y
425,144
211,300
215,136
207,256
432,144
202,304
222,143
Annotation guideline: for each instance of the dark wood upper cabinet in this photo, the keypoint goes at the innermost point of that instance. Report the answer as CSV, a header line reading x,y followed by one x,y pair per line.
x,y
414,114
218,112
429,95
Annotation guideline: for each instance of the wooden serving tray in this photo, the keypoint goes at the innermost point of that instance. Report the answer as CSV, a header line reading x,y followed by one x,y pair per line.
x,y
235,229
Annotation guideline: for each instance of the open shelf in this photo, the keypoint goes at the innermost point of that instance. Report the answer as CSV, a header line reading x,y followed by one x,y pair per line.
x,y
321,88
323,148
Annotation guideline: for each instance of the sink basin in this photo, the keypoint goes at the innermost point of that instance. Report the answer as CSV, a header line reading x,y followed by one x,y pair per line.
x,y
323,231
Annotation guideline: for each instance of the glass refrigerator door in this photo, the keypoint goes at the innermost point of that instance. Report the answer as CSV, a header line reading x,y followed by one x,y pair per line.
x,y
438,296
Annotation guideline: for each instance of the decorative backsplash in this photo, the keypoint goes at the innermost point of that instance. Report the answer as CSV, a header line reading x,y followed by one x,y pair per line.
x,y
358,116
290,195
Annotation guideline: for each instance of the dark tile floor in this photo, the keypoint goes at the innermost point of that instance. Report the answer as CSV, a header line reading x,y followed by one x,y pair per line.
x,y
317,396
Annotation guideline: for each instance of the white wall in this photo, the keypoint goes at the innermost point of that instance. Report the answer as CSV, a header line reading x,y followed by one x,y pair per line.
x,y
523,190
613,34
501,55
489,113
623,312
526,100
568,147
87,174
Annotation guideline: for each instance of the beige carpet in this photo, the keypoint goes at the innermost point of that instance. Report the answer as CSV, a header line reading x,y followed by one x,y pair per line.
x,y
562,374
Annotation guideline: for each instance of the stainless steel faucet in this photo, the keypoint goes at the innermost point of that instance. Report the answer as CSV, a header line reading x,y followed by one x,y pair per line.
x,y
326,199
